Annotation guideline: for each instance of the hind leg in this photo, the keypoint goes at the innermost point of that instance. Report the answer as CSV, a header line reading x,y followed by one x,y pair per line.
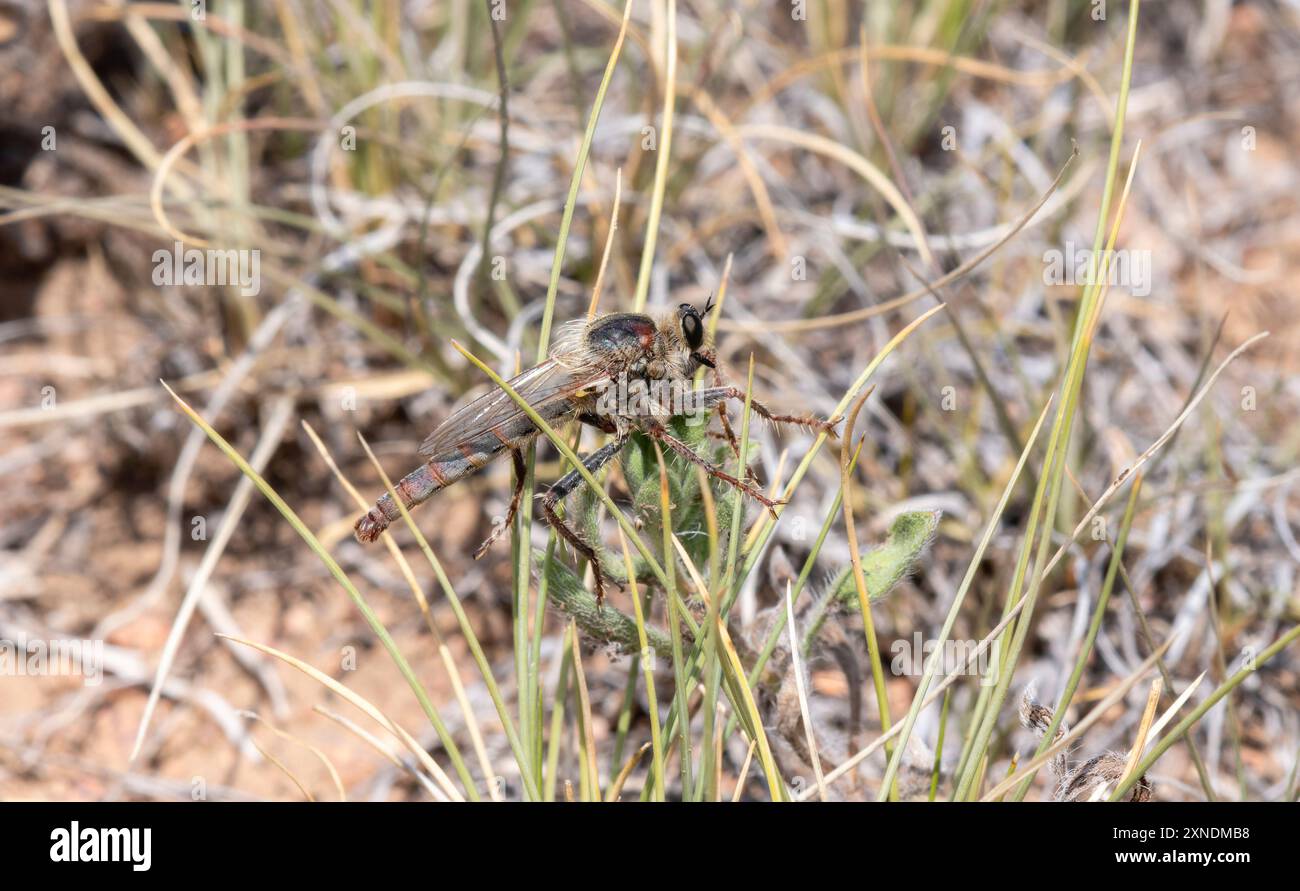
x,y
518,458
519,471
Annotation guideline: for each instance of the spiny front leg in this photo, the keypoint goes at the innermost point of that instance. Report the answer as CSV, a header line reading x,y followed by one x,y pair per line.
x,y
520,470
657,431
717,395
727,433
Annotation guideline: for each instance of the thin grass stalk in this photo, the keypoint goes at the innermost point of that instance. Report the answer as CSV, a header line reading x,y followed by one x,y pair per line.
x,y
298,741
733,543
775,785
735,673
860,581
623,723
1090,638
557,719
571,202
512,735
529,683
1213,610
539,626
682,689
335,570
778,624
938,746
809,737
1062,426
647,655
932,666
586,738
1144,728
616,787
669,87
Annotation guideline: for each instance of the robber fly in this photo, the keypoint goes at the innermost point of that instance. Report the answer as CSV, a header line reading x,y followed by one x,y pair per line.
x,y
591,361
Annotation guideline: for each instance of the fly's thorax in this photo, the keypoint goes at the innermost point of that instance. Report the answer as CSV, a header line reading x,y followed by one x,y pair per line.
x,y
637,397
644,345
621,335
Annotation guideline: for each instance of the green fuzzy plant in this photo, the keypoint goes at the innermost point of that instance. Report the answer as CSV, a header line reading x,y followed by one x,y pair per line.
x,y
884,567
689,523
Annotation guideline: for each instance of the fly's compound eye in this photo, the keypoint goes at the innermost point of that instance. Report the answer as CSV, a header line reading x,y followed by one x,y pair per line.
x,y
692,327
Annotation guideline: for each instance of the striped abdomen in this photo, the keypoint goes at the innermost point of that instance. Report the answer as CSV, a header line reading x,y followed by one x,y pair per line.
x,y
445,468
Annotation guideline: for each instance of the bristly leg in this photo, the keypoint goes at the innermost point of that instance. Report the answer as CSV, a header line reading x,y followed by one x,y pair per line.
x,y
562,488
657,431
727,433
520,469
717,395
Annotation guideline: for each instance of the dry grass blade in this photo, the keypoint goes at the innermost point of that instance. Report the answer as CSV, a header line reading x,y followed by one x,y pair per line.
x,y
444,652
1177,704
277,421
616,788
445,784
859,580
476,648
315,750
335,570
803,693
1144,728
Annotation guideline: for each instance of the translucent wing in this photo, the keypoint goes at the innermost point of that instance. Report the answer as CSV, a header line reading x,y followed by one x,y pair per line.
x,y
545,387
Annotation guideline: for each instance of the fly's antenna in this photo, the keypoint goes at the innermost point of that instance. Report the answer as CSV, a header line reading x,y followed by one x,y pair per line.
x,y
708,305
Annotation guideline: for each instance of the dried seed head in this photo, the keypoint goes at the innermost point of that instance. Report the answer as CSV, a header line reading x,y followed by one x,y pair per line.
x,y
1096,778
1037,717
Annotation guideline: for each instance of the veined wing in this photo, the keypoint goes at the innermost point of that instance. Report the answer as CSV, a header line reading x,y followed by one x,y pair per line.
x,y
546,388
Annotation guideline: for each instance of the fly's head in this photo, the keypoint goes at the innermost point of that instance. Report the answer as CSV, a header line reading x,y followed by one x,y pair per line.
x,y
683,345
694,336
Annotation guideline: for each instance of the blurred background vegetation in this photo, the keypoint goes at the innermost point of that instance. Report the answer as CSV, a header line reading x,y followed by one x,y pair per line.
x,y
402,170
